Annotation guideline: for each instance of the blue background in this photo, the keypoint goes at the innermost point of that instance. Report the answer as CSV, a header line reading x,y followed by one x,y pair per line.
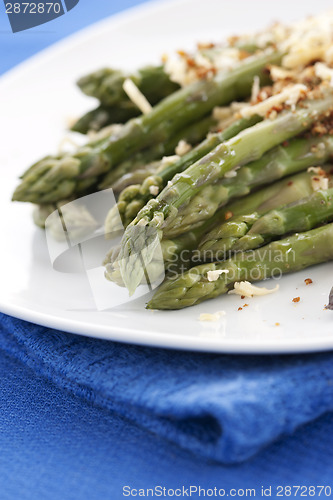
x,y
56,445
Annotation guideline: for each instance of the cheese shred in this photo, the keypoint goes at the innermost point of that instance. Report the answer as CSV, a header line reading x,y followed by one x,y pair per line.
x,y
136,96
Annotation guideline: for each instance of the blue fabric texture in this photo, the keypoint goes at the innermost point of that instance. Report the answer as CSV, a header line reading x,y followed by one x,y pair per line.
x,y
56,446
225,408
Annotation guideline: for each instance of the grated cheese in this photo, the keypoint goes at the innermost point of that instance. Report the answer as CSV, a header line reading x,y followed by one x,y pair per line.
x,y
222,113
246,289
324,72
231,173
211,317
154,190
303,57
329,55
255,88
320,180
178,71
317,170
288,96
214,275
136,96
278,73
302,43
319,183
182,148
169,160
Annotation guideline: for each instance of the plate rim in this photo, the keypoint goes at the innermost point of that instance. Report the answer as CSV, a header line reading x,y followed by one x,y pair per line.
x,y
153,338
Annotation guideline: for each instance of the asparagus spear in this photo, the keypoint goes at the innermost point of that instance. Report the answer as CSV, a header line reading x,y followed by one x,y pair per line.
x,y
102,116
120,176
107,85
299,216
206,242
52,179
228,235
134,197
162,212
284,256
278,163
192,134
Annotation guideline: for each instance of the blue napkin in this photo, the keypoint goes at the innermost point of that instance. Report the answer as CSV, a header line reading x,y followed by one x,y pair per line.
x,y
225,408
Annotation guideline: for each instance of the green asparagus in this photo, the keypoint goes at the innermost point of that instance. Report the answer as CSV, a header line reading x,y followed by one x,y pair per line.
x,y
277,163
52,179
107,85
163,212
280,161
193,134
292,254
134,197
299,216
285,197
102,116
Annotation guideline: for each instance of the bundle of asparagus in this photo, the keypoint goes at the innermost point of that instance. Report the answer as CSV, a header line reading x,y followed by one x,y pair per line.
x,y
180,165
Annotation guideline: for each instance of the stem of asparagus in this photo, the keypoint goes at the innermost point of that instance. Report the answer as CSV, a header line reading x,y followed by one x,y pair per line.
x,y
107,85
292,254
138,165
192,134
134,197
226,235
102,116
52,179
280,161
299,216
162,212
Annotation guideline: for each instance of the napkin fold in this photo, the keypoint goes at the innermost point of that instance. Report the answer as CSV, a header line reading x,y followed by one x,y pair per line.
x,y
221,407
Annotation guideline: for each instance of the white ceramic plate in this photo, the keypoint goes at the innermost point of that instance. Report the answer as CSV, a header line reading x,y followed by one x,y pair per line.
x,y
36,100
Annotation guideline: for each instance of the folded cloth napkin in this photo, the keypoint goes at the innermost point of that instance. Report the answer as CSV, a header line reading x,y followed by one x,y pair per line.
x,y
222,407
